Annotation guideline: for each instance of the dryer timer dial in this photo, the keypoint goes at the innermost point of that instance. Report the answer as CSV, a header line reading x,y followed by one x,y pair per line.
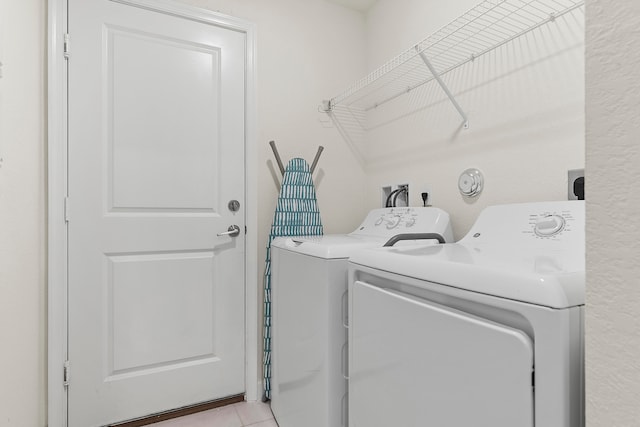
x,y
549,225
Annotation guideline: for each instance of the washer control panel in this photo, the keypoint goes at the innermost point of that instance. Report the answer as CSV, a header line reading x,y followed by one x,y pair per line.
x,y
397,218
392,221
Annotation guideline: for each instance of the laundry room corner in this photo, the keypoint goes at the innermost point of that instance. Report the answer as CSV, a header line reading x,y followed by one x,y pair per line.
x,y
528,106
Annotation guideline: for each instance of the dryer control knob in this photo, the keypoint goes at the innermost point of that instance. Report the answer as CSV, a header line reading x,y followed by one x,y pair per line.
x,y
549,225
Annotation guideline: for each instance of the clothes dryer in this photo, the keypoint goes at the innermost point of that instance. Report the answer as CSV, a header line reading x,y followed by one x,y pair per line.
x,y
486,332
309,308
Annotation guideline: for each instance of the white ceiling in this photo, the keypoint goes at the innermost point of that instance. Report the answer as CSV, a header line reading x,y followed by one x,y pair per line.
x,y
361,5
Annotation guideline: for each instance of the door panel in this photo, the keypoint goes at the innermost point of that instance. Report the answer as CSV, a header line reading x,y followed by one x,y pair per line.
x,y
140,321
156,150
144,90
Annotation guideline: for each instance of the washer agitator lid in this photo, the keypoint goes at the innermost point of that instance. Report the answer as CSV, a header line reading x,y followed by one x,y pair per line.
x,y
378,227
532,252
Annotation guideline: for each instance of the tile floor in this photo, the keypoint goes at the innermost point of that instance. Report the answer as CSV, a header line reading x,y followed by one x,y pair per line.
x,y
243,414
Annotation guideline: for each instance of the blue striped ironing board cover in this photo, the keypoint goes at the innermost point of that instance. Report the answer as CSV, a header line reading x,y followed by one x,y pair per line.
x,y
296,214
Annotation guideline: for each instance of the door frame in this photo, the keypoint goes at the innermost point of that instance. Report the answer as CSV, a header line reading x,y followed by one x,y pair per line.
x,y
57,244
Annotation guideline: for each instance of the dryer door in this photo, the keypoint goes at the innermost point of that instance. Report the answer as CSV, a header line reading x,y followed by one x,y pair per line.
x,y
415,363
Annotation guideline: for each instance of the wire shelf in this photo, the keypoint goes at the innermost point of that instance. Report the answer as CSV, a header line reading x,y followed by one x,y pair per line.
x,y
483,28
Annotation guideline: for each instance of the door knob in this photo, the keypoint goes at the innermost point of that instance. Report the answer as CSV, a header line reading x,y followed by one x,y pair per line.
x,y
232,231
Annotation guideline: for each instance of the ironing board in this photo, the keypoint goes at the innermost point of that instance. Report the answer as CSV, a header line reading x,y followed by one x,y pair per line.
x,y
296,214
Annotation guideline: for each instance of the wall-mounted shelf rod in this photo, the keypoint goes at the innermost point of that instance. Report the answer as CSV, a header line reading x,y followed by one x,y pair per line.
x,y
444,87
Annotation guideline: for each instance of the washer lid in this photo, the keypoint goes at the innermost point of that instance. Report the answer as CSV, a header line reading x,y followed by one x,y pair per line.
x,y
330,246
553,278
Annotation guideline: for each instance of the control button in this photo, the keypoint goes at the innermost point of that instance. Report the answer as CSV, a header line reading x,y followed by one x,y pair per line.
x,y
379,221
393,222
410,222
549,225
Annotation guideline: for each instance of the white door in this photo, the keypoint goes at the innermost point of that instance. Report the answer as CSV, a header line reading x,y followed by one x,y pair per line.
x,y
156,152
414,363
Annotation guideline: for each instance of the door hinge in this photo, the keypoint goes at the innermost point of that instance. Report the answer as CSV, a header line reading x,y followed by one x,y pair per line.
x,y
66,209
66,46
66,373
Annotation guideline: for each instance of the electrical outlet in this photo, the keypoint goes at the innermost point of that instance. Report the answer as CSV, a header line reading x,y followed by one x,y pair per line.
x,y
575,183
425,191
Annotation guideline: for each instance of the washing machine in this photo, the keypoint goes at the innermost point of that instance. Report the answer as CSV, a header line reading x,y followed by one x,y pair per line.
x,y
309,309
486,332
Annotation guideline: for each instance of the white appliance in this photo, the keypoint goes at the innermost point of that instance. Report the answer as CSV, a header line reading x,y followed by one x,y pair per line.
x,y
309,307
486,332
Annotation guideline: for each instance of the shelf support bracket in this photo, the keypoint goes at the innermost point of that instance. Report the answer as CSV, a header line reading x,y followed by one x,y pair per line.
x,y
444,87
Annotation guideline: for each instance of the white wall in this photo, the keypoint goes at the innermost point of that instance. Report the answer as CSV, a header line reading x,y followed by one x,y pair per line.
x,y
613,226
22,213
525,103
